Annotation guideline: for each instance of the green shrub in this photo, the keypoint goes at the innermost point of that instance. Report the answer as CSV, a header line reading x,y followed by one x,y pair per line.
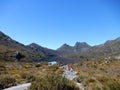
x,y
80,79
102,83
28,77
38,65
6,82
52,82
112,84
54,67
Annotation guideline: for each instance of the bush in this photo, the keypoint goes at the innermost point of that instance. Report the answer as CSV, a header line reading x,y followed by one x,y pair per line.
x,y
6,82
28,77
112,84
80,79
59,72
52,82
102,83
54,67
38,65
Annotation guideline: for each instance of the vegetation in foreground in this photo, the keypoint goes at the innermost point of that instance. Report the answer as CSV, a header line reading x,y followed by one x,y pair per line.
x,y
6,82
13,73
100,74
53,82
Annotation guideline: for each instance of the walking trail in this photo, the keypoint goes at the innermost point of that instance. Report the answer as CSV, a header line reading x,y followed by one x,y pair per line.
x,y
70,74
20,87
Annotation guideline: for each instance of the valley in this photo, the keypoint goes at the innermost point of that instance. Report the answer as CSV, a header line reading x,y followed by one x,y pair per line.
x,y
94,67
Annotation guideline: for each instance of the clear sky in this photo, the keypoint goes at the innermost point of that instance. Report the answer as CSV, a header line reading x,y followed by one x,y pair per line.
x,y
51,23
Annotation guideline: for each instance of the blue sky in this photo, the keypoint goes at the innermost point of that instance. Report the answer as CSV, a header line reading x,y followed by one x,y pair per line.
x,y
51,23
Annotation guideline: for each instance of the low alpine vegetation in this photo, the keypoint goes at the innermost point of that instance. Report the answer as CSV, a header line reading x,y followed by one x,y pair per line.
x,y
53,82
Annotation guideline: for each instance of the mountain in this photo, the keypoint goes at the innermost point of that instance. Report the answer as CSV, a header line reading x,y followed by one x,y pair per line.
x,y
50,55
81,46
109,48
9,48
37,48
65,49
78,47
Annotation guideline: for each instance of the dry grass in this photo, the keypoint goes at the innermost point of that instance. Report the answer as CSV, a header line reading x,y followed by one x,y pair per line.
x,y
99,74
94,74
22,70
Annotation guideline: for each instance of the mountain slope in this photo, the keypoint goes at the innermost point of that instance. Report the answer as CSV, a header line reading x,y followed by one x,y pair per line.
x,y
109,48
65,49
81,47
50,55
9,47
78,47
11,50
37,48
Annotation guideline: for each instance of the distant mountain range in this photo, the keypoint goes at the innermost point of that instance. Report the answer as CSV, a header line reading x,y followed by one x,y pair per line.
x,y
110,48
78,47
45,51
33,52
9,47
11,50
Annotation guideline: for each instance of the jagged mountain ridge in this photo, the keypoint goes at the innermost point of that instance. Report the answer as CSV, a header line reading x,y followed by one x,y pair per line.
x,y
78,47
81,46
37,48
65,53
8,47
32,52
50,55
109,48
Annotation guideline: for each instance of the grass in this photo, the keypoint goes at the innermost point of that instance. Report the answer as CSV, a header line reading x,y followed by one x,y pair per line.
x,y
99,74
23,71
53,82
7,81
93,74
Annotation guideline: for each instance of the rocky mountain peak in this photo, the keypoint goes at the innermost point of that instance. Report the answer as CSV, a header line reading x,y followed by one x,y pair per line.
x,y
3,36
64,47
81,45
78,47
6,39
118,39
33,45
1,32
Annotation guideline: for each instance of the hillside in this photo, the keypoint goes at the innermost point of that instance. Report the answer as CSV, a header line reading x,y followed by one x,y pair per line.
x,y
109,48
9,47
37,48
78,47
99,66
11,50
